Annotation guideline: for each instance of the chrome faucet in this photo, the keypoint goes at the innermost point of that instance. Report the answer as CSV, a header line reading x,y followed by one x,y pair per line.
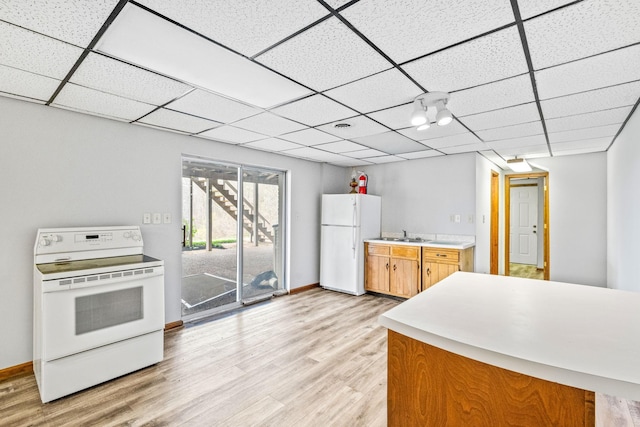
x,y
404,232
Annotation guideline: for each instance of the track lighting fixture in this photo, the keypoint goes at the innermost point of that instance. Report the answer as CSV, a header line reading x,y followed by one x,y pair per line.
x,y
431,99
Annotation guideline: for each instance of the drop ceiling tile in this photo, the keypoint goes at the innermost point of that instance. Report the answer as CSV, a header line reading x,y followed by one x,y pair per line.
x,y
526,152
23,83
573,152
315,154
161,48
502,117
314,110
597,118
389,142
23,98
451,141
337,3
583,134
118,78
92,101
341,147
384,159
397,117
360,126
231,135
214,107
595,100
527,141
581,30
349,162
493,57
309,137
325,56
434,131
36,53
268,124
73,21
420,154
272,144
492,156
529,8
457,149
593,144
178,121
363,154
383,90
246,27
514,131
406,29
620,66
505,93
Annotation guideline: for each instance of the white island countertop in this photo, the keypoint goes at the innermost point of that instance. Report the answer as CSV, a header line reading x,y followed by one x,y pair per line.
x,y
576,335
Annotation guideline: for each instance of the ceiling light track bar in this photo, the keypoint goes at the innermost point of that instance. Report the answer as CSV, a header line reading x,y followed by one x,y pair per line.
x,y
112,16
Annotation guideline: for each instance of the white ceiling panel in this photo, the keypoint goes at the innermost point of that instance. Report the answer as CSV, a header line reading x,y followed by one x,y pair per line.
x,y
178,121
434,131
360,126
232,135
363,154
389,142
595,100
350,163
246,27
118,78
407,29
268,124
272,144
529,8
74,21
451,141
384,159
505,93
493,57
315,110
22,83
502,117
213,107
310,137
620,66
92,101
325,56
457,149
341,147
531,151
581,30
173,51
420,154
597,118
317,155
495,158
514,131
584,134
593,144
383,90
397,117
527,141
336,3
36,53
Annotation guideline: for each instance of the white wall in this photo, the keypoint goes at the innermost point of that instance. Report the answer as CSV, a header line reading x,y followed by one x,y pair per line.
x,y
623,208
59,168
577,217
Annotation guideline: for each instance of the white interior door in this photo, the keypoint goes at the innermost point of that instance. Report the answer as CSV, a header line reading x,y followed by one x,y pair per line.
x,y
524,224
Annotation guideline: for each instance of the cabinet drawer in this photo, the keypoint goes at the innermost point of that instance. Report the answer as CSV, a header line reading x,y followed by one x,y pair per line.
x,y
440,255
378,250
411,252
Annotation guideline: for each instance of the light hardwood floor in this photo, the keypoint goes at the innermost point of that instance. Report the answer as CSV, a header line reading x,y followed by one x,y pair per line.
x,y
317,358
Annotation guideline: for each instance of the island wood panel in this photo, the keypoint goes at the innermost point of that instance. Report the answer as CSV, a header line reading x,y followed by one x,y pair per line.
x,y
428,386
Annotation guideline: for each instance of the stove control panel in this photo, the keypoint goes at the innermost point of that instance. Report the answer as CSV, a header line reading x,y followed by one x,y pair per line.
x,y
81,239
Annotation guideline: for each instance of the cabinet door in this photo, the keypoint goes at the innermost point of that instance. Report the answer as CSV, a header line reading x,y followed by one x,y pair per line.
x,y
404,277
376,276
433,272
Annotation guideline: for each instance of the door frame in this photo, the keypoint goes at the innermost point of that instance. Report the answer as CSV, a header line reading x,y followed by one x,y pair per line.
x,y
494,224
507,216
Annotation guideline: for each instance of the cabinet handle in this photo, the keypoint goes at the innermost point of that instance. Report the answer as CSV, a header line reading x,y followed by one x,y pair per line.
x,y
442,255
394,267
428,272
387,266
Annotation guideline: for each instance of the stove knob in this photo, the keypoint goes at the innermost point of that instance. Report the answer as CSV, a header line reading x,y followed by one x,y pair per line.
x,y
56,238
127,234
44,242
136,236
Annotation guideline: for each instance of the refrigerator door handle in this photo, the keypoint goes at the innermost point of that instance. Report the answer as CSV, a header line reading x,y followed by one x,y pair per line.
x,y
353,229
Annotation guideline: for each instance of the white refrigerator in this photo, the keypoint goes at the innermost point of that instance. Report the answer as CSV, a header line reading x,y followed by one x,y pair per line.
x,y
347,220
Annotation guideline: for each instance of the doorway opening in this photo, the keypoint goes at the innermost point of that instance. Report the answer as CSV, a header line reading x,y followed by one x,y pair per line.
x,y
527,225
233,245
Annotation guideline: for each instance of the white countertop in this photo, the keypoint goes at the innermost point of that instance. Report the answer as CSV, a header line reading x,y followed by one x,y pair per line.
x,y
425,243
576,335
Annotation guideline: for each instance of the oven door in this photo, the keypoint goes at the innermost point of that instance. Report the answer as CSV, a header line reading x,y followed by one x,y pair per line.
x,y
76,320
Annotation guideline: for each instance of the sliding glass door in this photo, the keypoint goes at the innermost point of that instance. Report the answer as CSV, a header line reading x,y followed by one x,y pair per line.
x,y
232,235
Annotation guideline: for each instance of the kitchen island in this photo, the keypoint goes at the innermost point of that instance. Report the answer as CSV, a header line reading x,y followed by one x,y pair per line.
x,y
477,349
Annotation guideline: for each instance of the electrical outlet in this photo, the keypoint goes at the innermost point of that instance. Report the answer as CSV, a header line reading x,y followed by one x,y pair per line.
x,y
157,218
166,218
146,218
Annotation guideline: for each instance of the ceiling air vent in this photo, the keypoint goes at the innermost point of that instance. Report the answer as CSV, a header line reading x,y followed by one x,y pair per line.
x,y
342,125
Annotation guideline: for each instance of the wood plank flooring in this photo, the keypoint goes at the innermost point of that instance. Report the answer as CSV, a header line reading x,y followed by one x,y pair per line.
x,y
317,358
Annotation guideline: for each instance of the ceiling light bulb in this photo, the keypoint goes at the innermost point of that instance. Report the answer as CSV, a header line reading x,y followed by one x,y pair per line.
x,y
424,126
419,116
444,116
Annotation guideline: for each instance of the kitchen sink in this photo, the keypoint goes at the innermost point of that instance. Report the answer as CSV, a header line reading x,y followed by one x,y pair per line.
x,y
400,239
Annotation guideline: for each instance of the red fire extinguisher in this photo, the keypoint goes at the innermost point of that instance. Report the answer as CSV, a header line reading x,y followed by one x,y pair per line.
x,y
362,183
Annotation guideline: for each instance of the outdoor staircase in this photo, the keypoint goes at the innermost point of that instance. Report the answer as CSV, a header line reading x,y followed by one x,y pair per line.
x,y
226,196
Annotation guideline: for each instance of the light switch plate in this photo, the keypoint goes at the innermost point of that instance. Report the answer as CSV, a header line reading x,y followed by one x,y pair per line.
x,y
457,218
157,218
146,218
166,218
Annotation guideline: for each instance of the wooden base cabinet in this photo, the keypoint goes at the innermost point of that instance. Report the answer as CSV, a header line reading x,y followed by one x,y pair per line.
x,y
438,263
392,269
